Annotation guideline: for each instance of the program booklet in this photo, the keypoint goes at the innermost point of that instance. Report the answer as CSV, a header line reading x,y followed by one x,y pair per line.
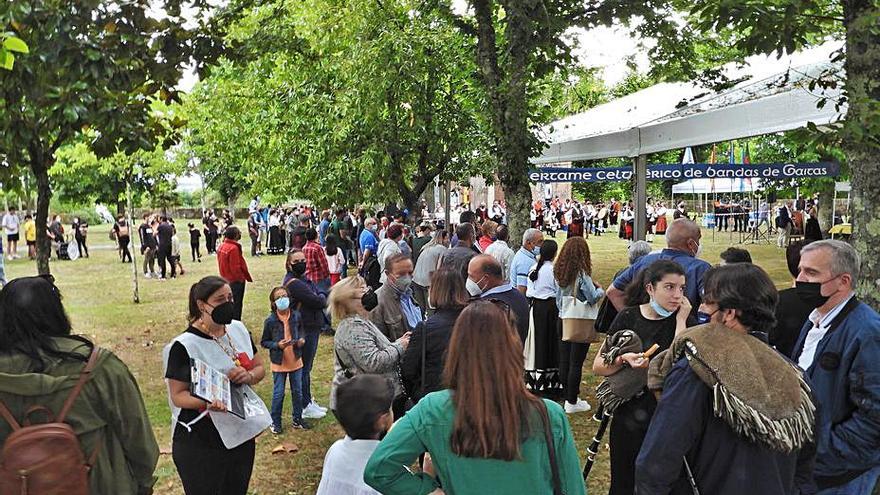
x,y
209,385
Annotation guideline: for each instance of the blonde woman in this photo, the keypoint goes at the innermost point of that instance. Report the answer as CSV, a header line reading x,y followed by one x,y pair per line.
x,y
359,345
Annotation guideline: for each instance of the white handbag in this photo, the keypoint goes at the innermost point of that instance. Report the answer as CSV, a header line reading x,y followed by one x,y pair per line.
x,y
572,307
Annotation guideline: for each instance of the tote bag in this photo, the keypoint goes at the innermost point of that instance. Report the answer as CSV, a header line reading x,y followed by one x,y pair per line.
x,y
578,319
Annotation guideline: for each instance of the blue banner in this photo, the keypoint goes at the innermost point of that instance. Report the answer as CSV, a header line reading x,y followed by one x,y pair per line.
x,y
686,171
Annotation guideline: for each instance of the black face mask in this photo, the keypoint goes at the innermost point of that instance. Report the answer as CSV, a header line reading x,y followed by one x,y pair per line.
x,y
298,269
811,293
370,300
222,314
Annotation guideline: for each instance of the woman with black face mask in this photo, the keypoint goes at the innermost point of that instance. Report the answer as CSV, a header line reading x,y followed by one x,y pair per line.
x,y
359,346
213,448
311,302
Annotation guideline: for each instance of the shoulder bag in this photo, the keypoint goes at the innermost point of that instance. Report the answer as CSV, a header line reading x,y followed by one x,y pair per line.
x,y
551,449
578,319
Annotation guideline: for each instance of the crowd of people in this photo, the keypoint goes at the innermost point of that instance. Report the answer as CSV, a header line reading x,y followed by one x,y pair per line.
x,y
712,380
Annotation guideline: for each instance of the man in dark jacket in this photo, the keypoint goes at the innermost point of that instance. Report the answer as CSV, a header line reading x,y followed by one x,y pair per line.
x,y
486,281
305,297
839,347
734,417
164,233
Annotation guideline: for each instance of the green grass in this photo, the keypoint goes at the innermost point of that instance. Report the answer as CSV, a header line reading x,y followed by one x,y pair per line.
x,y
98,297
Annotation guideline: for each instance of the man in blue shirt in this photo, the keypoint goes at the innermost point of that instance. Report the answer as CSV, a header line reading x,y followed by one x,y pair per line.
x,y
683,247
323,226
525,258
368,242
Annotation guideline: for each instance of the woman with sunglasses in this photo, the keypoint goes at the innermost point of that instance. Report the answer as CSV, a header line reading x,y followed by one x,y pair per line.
x,y
359,346
487,433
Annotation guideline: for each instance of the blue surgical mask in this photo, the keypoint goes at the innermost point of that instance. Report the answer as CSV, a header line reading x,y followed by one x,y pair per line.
x,y
282,303
703,318
536,250
660,310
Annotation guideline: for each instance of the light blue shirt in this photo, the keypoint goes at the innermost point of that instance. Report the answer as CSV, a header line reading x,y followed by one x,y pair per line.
x,y
496,290
519,268
409,309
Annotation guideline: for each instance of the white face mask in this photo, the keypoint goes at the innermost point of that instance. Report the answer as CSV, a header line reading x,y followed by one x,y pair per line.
x,y
699,250
473,288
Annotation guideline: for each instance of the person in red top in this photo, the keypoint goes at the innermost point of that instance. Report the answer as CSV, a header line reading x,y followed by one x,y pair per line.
x,y
233,267
317,269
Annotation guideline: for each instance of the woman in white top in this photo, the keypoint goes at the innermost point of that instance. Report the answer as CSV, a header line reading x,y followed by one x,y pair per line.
x,y
335,259
543,372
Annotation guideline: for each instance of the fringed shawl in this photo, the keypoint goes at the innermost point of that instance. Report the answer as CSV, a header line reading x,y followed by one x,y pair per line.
x,y
758,393
626,383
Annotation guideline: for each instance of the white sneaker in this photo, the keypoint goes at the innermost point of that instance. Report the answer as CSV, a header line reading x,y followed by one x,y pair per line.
x,y
311,412
319,406
579,406
147,275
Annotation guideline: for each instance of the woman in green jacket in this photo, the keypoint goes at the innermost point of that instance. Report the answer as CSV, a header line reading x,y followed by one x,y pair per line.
x,y
39,362
486,434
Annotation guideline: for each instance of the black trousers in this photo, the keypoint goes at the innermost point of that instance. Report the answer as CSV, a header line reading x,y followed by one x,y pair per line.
x,y
237,298
124,253
164,255
195,250
213,471
628,429
81,244
571,366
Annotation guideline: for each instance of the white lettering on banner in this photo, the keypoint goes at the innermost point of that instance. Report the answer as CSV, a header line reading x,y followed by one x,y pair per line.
x,y
664,174
792,171
735,173
612,175
535,177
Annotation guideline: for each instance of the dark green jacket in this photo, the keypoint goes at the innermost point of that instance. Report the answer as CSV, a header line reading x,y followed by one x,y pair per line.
x,y
109,412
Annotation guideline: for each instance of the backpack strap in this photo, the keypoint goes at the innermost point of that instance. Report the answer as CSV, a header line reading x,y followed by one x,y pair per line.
x,y
84,375
4,411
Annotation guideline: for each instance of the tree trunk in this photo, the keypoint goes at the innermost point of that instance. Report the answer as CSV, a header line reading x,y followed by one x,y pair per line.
x,y
44,194
863,90
826,206
230,205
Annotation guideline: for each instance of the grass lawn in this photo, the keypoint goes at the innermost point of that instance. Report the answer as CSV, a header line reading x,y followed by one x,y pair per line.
x,y
98,297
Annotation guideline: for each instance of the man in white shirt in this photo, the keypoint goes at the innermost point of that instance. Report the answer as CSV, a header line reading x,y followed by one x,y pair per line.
x,y
501,251
11,225
839,349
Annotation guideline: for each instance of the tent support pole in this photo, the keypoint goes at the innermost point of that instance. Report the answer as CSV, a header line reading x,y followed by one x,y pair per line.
x,y
640,195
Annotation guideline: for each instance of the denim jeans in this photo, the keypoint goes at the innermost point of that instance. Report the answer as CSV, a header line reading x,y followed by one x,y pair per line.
x,y
863,485
295,378
308,356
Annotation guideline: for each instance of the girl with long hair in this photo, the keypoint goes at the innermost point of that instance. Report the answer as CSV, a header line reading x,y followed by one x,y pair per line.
x,y
657,310
542,371
573,270
486,432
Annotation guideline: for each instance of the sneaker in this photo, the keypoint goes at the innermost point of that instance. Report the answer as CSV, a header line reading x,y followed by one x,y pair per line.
x,y
276,430
319,406
312,412
579,406
300,425
147,275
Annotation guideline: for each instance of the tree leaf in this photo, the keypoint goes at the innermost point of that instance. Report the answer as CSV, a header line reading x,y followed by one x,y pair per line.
x,y
15,44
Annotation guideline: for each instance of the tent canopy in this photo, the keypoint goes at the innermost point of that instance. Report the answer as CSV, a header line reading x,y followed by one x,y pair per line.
x,y
773,96
709,186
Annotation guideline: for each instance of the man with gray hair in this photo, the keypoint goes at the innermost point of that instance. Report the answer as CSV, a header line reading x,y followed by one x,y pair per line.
x,y
525,258
839,349
683,247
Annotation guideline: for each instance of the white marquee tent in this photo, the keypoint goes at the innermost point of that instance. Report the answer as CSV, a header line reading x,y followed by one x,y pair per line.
x,y
774,95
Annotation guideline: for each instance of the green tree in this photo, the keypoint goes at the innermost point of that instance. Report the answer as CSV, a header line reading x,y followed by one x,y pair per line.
x,y
99,62
351,100
787,25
